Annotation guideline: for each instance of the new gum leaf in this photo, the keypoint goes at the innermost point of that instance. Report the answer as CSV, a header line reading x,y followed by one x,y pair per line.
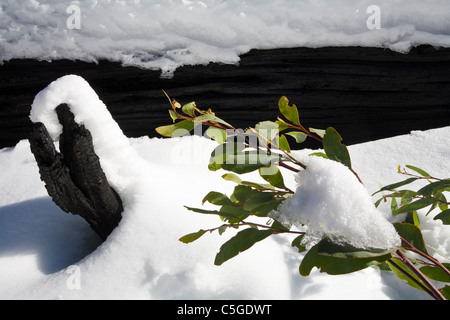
x,y
289,112
334,149
242,241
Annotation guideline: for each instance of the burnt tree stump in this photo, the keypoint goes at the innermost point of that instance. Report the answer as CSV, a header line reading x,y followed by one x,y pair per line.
x,y
73,176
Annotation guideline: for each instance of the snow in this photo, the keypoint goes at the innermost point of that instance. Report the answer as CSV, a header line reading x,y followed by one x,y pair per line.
x,y
331,202
164,35
48,254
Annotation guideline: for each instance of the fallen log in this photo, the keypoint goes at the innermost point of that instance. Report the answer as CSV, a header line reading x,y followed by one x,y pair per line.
x,y
73,176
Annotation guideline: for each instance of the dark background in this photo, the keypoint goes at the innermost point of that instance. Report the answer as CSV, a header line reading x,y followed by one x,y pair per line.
x,y
365,93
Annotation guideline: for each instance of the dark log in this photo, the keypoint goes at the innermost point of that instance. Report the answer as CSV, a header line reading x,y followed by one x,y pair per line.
x,y
365,93
73,176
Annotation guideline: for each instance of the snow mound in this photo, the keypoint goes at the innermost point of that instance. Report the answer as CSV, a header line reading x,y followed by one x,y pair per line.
x,y
164,35
331,202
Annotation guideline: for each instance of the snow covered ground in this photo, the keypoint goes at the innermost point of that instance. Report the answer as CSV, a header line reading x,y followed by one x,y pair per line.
x,y
164,35
48,254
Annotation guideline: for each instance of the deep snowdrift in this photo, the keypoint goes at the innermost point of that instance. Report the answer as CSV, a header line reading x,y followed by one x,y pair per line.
x,y
42,249
164,35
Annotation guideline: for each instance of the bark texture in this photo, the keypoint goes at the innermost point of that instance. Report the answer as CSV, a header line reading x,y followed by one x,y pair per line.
x,y
73,176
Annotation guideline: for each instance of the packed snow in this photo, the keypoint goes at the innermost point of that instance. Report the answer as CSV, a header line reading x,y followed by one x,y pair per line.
x,y
48,254
164,35
332,202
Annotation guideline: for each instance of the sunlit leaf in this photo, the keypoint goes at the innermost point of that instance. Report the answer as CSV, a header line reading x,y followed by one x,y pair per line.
x,y
289,112
192,236
176,130
418,170
298,136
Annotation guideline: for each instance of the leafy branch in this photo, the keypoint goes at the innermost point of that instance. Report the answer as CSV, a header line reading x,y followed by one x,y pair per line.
x,y
265,149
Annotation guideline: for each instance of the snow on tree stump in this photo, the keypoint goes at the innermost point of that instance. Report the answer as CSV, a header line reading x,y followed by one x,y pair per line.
x,y
73,176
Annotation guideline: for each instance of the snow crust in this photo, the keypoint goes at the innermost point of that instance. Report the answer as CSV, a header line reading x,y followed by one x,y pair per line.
x,y
164,35
41,246
331,202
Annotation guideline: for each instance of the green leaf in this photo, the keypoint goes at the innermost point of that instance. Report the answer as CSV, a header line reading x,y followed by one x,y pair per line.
x,y
273,176
416,205
419,171
216,134
189,108
446,292
267,131
412,234
402,276
396,185
212,118
444,216
328,248
289,112
192,236
297,243
334,149
431,188
232,177
298,136
242,241
436,273
233,213
222,152
319,154
173,115
258,199
245,162
281,124
334,266
283,144
176,130
319,132
217,198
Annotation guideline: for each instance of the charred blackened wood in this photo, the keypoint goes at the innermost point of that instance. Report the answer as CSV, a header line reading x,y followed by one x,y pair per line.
x,y
73,176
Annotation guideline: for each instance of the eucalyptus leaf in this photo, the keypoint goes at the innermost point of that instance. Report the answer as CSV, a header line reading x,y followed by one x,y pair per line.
x,y
334,149
412,234
334,266
242,241
192,236
289,112
298,136
273,176
444,216
176,130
